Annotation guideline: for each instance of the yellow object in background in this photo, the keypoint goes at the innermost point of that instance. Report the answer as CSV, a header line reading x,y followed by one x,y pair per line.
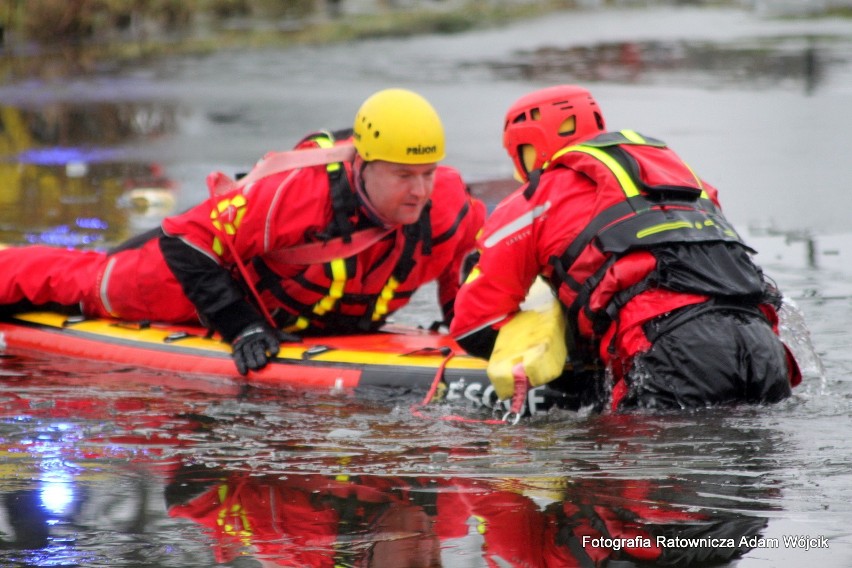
x,y
535,337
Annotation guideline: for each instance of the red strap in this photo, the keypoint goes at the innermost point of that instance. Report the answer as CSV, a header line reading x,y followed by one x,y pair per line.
x,y
522,386
277,162
439,375
229,242
619,391
326,251
272,163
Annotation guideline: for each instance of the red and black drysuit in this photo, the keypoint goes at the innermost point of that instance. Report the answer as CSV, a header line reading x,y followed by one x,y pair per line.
x,y
656,283
187,269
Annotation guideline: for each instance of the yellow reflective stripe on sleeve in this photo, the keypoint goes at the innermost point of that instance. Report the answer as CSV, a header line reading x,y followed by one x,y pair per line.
x,y
624,179
384,299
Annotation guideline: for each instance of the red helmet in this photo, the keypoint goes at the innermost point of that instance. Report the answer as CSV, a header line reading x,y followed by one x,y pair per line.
x,y
541,123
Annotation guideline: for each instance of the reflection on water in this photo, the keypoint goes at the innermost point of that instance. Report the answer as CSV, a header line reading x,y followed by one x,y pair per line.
x,y
365,520
66,180
111,466
166,477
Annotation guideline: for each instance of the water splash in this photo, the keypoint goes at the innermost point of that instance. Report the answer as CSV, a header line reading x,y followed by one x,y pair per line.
x,y
796,335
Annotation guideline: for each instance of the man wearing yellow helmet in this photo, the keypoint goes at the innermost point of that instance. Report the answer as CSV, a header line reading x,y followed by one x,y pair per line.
x,y
401,137
328,244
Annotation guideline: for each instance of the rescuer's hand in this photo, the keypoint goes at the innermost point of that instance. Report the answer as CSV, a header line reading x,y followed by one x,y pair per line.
x,y
255,345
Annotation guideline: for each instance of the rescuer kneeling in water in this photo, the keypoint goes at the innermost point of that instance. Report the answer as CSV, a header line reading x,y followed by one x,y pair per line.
x,y
333,245
656,283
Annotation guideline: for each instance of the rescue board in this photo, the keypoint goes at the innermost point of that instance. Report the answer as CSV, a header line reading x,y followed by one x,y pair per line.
x,y
395,360
396,357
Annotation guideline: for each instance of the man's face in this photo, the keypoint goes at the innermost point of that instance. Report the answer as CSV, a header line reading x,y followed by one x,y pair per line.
x,y
399,192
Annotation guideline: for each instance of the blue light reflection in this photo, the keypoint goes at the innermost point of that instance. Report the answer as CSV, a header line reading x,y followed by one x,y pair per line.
x,y
56,490
64,236
60,156
57,495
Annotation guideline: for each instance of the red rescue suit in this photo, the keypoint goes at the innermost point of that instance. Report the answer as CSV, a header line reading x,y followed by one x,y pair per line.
x,y
351,293
626,233
189,267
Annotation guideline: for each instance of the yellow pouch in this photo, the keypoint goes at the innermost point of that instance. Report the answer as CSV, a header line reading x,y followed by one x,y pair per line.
x,y
535,337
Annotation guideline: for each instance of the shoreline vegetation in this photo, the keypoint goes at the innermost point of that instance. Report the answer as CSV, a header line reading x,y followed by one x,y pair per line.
x,y
132,28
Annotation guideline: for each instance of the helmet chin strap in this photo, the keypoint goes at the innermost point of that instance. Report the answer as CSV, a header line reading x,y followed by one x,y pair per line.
x,y
364,198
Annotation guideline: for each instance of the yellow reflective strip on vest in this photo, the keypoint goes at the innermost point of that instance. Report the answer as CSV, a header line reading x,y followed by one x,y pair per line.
x,y
624,179
324,305
662,227
338,273
327,142
300,324
335,291
633,136
384,299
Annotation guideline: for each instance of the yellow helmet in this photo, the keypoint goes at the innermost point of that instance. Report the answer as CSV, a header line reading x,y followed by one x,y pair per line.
x,y
397,125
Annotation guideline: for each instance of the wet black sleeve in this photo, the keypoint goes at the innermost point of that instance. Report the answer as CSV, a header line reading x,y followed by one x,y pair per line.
x,y
217,296
479,343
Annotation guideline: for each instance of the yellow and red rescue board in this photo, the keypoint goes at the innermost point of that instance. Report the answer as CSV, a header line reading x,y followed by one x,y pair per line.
x,y
397,356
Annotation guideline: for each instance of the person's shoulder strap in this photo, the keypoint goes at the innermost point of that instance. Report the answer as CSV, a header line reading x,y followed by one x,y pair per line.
x,y
325,251
276,162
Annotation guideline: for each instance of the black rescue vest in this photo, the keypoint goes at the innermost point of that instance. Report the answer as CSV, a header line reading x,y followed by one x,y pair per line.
x,y
696,248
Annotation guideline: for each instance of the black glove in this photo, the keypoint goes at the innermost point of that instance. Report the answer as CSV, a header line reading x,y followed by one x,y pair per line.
x,y
255,345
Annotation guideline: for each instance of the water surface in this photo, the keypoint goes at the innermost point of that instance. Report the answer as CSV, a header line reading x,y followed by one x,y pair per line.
x,y
112,466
